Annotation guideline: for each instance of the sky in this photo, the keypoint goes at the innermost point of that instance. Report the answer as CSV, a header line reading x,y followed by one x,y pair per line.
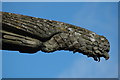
x,y
101,18
60,0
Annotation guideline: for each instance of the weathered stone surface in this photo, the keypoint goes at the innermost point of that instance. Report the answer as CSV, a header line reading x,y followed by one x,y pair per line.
x,y
30,34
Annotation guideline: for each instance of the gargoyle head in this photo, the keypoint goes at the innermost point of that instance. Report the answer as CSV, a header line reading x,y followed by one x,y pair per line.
x,y
90,44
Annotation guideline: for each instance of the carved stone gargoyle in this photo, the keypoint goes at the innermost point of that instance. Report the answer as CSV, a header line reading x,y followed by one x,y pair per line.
x,y
30,34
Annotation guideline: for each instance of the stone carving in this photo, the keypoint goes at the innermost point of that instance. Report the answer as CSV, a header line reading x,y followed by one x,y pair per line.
x,y
30,34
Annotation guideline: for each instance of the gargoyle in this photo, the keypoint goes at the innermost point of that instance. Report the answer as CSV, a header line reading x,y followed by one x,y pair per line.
x,y
30,34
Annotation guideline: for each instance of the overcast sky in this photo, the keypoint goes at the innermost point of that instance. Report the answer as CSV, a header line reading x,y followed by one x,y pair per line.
x,y
97,17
